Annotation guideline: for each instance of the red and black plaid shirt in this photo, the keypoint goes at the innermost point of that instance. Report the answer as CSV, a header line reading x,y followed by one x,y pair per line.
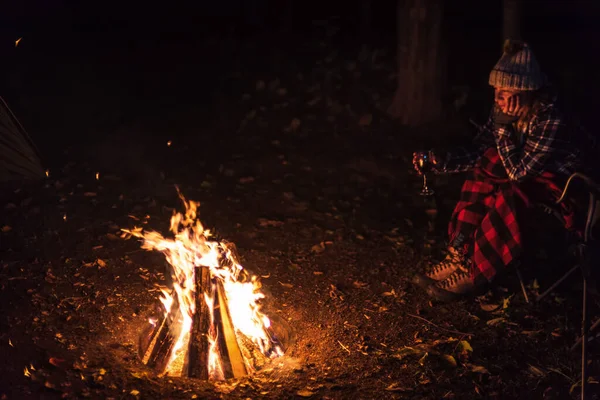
x,y
546,144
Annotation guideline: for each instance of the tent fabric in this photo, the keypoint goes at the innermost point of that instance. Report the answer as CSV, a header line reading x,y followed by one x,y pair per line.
x,y
18,155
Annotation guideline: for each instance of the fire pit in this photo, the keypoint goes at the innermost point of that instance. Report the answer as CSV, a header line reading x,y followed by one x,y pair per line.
x,y
212,326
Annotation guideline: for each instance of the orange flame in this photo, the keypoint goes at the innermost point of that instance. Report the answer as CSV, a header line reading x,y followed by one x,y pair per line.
x,y
191,248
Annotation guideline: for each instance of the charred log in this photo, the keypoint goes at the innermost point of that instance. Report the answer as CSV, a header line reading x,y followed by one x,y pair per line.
x,y
196,363
229,349
163,337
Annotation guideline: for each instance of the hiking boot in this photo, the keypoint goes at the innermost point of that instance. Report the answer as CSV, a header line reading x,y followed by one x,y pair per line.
x,y
440,271
459,284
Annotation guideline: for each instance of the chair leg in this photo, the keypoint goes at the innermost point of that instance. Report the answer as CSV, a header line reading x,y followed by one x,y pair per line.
x,y
558,282
592,328
584,333
522,283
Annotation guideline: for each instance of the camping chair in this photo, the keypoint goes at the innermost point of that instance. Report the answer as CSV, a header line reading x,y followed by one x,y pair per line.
x,y
584,250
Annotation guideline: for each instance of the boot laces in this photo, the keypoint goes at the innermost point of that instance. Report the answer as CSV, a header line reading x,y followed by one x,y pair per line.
x,y
460,274
453,261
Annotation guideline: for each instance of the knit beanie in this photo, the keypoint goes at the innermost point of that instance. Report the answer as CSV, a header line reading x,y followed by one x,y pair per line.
x,y
517,68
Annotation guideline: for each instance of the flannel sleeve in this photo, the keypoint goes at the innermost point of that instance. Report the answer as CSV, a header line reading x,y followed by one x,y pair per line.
x,y
530,158
463,158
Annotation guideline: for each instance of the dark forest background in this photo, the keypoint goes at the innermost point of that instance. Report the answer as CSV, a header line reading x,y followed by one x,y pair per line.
x,y
100,63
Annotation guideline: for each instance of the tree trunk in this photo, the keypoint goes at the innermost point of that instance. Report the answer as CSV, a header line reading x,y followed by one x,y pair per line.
x,y
511,28
420,62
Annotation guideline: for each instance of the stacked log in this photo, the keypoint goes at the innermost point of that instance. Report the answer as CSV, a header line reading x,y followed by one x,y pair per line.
x,y
157,349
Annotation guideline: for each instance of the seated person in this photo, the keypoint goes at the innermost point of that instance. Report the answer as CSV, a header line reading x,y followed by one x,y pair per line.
x,y
526,150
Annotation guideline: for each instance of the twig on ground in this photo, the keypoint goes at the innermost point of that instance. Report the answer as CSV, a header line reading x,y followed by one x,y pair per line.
x,y
440,327
344,347
557,371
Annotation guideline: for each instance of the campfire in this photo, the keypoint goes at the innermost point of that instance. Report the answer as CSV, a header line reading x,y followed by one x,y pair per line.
x,y
212,326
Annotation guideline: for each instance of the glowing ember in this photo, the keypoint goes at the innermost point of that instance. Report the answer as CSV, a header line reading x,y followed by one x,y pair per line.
x,y
212,290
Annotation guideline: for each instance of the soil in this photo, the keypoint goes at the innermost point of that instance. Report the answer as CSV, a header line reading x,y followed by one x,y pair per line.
x,y
300,168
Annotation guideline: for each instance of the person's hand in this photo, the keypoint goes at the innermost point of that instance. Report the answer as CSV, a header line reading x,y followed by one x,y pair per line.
x,y
502,118
417,156
515,106
423,161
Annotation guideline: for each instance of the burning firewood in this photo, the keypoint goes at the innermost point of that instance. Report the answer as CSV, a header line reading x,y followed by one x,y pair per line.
x,y
157,344
196,363
212,327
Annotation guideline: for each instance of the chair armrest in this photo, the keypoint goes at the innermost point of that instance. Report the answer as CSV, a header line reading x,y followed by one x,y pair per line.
x,y
593,187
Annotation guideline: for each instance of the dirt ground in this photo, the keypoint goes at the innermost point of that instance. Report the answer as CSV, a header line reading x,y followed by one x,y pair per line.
x,y
313,184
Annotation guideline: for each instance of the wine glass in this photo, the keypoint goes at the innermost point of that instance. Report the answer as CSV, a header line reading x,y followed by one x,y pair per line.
x,y
425,166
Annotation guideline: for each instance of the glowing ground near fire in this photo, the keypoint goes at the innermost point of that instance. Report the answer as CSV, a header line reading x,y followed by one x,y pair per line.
x,y
212,327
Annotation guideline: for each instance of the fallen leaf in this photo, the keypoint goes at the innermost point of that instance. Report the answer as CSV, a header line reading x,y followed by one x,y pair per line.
x,y
489,307
506,303
478,369
531,333
56,361
49,385
449,359
465,346
247,179
134,392
395,387
318,248
6,229
317,273
90,194
495,321
444,341
269,222
305,393
556,333
101,263
286,285
18,41
407,351
536,371
359,284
